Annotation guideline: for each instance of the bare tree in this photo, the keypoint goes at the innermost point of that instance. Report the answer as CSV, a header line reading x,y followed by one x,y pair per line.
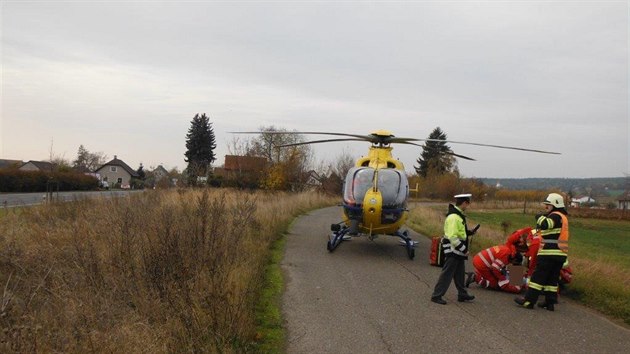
x,y
267,145
342,164
240,147
290,165
90,161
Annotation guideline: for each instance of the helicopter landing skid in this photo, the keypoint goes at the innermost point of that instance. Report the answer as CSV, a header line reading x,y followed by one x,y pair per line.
x,y
408,243
338,234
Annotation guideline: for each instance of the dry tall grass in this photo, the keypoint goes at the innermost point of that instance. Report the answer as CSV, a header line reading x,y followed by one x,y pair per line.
x,y
157,272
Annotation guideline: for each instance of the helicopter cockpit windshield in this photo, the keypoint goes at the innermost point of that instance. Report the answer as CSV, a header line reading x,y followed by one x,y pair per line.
x,y
393,186
391,183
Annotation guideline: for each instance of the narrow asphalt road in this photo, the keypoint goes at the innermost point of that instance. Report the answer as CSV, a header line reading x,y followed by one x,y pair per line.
x,y
368,297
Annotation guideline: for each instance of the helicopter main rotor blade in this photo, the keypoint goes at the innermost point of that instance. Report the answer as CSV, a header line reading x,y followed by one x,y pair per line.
x,y
382,139
445,152
318,141
362,137
402,140
494,146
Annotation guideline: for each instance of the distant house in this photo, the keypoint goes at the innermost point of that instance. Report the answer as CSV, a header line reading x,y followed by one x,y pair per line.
x,y
624,201
238,165
312,180
242,171
160,177
159,173
10,163
38,166
117,172
245,163
577,202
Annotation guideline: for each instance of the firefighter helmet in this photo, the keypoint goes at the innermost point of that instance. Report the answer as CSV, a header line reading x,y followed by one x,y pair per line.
x,y
555,200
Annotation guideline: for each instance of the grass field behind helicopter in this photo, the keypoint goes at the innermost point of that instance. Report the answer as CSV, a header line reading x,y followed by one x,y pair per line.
x,y
598,251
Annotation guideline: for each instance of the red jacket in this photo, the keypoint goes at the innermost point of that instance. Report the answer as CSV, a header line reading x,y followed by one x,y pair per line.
x,y
494,259
533,241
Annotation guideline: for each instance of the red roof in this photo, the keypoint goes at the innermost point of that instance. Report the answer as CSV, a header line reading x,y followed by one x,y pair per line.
x,y
244,163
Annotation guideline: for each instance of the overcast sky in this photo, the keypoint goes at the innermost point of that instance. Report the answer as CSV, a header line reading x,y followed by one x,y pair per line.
x,y
126,78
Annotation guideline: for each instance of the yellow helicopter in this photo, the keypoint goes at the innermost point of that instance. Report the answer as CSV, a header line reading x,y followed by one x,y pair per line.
x,y
376,189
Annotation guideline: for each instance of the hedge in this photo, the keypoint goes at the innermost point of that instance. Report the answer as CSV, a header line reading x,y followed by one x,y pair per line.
x,y
16,181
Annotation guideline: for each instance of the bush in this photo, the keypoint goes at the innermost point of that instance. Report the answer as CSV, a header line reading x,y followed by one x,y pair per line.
x,y
16,181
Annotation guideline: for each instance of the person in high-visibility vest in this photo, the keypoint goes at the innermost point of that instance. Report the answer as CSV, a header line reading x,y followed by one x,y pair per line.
x,y
455,243
531,255
554,230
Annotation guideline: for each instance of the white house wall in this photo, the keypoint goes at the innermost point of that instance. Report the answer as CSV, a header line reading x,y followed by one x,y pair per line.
x,y
112,177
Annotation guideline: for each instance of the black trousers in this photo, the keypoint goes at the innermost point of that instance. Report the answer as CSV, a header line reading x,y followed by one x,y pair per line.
x,y
454,269
545,279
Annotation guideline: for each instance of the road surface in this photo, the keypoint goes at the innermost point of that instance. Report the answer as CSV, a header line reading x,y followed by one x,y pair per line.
x,y
368,297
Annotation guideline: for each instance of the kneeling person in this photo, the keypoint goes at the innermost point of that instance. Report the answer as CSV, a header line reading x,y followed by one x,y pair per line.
x,y
490,268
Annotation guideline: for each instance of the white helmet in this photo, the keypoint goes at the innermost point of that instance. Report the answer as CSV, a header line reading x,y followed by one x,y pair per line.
x,y
555,200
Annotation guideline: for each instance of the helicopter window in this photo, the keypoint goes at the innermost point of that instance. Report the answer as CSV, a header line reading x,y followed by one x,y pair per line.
x,y
358,181
393,186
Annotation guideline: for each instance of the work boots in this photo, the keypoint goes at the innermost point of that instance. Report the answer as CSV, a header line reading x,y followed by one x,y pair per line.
x,y
546,305
463,298
438,300
524,303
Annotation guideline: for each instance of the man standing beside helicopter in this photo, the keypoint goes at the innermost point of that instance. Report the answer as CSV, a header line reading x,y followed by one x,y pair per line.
x,y
455,245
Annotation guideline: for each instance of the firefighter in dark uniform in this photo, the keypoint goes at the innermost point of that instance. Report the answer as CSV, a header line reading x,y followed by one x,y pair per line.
x,y
554,230
455,246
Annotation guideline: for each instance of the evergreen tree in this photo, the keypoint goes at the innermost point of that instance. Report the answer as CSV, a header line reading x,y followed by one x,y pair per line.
x,y
83,156
200,145
434,159
141,174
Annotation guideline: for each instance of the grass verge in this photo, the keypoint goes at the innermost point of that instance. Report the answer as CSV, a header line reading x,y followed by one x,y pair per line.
x,y
270,331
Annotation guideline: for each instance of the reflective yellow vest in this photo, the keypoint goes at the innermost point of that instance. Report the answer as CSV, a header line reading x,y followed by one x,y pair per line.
x,y
562,242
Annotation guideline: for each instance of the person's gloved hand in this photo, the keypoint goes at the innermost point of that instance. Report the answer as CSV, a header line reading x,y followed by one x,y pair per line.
x,y
514,289
473,231
525,283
